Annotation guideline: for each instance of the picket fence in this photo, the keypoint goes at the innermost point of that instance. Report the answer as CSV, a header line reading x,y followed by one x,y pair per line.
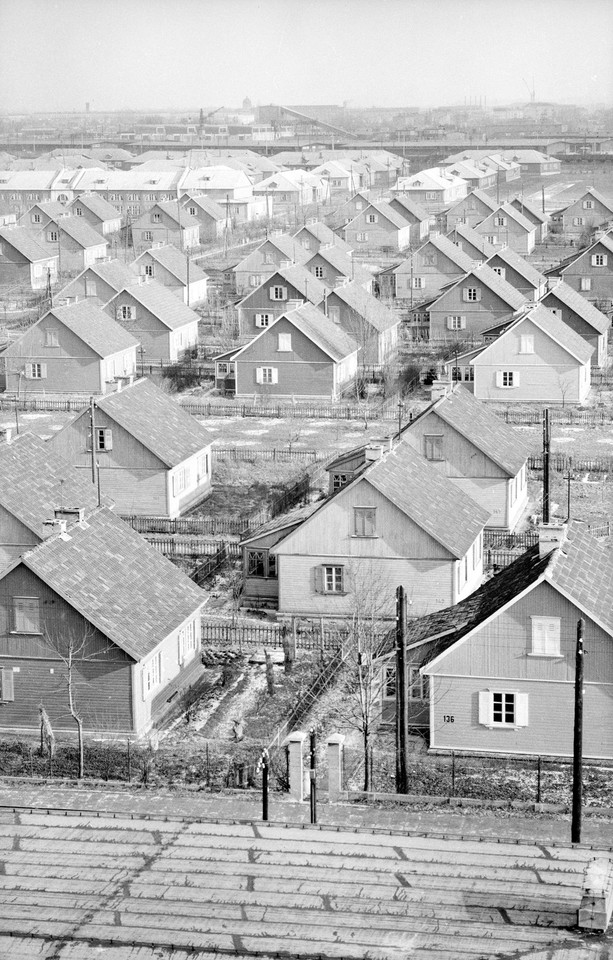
x,y
562,461
299,411
563,415
193,546
275,454
249,635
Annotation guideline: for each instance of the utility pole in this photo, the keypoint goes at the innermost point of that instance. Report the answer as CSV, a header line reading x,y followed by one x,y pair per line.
x,y
92,426
546,450
543,198
575,829
568,478
402,711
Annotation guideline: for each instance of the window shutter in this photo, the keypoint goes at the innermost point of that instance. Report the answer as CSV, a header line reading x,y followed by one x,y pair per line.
x,y
28,371
465,295
499,378
521,710
144,683
271,293
516,378
275,375
318,579
43,371
450,323
284,293
7,690
259,375
462,323
478,293
605,260
593,258
108,439
174,485
118,313
485,708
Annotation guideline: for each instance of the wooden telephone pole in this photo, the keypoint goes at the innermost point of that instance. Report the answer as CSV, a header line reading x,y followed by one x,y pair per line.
x,y
546,452
575,829
402,702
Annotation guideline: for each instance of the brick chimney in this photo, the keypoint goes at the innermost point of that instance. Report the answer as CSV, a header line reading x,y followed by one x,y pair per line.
x,y
551,536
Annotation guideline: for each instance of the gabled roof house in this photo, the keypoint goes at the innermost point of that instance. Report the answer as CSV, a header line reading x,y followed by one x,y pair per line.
x,y
164,326
581,316
286,288
173,269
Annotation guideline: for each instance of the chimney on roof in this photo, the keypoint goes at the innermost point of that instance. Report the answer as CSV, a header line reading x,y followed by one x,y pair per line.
x,y
374,451
294,304
341,281
440,388
285,264
69,515
60,527
551,536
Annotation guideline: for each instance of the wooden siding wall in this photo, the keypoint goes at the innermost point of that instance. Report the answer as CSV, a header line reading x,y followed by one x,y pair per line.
x,y
428,583
602,277
260,302
585,330
149,707
103,689
548,374
197,491
15,538
71,367
550,718
461,457
379,234
150,332
512,235
436,275
129,473
479,315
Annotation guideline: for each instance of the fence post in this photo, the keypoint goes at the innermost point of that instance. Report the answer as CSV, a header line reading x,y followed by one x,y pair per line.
x,y
538,780
453,773
335,751
263,766
129,760
313,775
295,742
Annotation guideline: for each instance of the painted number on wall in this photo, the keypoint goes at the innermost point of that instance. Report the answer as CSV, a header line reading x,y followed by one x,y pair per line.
x,y
447,718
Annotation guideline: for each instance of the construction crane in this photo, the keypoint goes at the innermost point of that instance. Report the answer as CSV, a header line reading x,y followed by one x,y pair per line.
x,y
532,91
202,119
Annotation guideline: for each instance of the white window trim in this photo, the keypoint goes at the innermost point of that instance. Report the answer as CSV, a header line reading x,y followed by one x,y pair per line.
x,y
486,710
540,623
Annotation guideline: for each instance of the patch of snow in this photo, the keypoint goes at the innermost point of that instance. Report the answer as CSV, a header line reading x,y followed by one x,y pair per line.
x,y
564,439
34,416
254,433
606,440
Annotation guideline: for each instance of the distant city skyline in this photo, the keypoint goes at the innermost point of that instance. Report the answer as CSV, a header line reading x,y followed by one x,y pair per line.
x,y
157,55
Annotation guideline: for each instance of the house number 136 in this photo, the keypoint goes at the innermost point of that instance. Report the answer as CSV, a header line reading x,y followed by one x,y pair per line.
x,y
447,718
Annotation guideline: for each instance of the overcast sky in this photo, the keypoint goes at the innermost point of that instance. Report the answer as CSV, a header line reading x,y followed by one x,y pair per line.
x,y
184,54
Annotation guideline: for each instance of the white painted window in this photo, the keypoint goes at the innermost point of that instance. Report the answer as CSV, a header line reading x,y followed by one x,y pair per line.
x,y
266,375
192,211
333,579
361,237
599,259
180,480
501,271
507,378
187,639
334,314
148,270
578,221
456,321
147,235
52,236
419,283
202,467
492,238
36,218
26,615
156,217
104,438
418,685
318,271
278,293
586,283
500,221
372,218
285,342
339,480
125,312
545,636
7,686
471,294
263,319
36,371
364,521
503,708
430,195
588,204
78,211
526,343
152,674
52,337
255,280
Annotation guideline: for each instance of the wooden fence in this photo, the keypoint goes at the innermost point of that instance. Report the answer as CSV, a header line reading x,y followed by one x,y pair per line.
x,y
193,546
564,415
299,410
499,539
276,454
562,461
249,635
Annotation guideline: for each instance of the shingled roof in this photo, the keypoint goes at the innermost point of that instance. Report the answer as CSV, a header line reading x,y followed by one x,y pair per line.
x,y
579,305
117,581
433,502
89,322
365,305
581,568
171,258
156,421
35,481
160,302
464,232
486,431
516,262
25,241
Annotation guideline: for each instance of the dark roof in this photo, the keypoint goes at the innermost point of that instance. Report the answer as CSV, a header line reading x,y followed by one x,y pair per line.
x,y
433,502
582,568
80,231
171,258
365,305
521,266
100,207
34,481
579,305
481,426
117,581
157,421
328,336
91,324
405,204
159,301
25,241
